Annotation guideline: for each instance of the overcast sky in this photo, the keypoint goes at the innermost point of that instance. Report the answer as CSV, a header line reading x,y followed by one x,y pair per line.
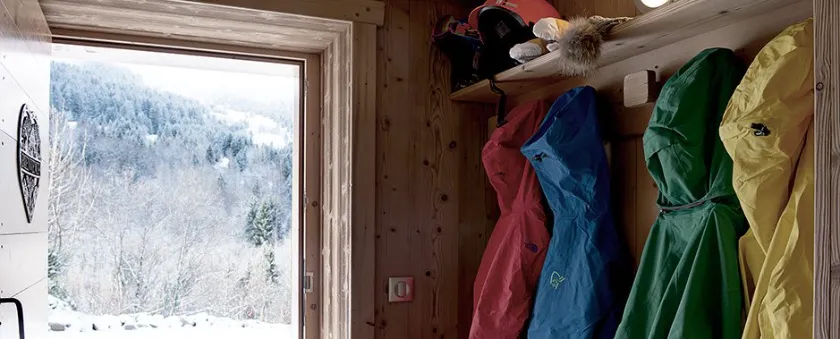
x,y
196,76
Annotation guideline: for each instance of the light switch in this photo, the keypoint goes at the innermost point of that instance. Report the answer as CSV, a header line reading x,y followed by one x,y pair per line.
x,y
400,289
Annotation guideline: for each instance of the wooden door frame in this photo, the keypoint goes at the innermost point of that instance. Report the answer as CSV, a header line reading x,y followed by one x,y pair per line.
x,y
337,149
827,170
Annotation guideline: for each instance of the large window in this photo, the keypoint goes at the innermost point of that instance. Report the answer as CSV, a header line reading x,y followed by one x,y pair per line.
x,y
171,207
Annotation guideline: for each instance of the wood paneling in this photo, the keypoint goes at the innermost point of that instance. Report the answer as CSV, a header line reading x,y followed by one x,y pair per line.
x,y
827,171
190,47
310,157
434,208
431,222
195,22
364,11
605,8
474,223
364,179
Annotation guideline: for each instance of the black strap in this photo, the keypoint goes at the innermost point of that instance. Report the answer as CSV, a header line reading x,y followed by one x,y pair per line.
x,y
502,105
19,308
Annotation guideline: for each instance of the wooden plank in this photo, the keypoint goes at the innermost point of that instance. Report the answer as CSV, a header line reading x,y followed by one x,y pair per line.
x,y
827,170
665,26
23,52
31,24
473,228
198,11
155,44
746,38
186,42
311,202
129,21
362,11
396,122
363,181
326,193
606,8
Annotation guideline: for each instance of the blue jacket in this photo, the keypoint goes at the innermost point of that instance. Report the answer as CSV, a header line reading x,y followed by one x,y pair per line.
x,y
587,272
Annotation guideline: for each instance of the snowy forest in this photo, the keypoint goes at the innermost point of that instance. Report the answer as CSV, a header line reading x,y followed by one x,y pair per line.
x,y
163,204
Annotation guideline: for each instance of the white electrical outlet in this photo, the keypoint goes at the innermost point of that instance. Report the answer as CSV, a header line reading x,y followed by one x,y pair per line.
x,y
400,289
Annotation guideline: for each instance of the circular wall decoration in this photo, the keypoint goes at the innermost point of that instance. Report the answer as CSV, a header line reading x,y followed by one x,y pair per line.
x,y
29,159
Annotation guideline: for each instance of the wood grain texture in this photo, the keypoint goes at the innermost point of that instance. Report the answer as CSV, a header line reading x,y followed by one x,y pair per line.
x,y
336,193
187,21
746,38
155,44
474,189
431,219
396,124
25,49
148,20
363,175
666,26
827,170
606,8
363,11
310,207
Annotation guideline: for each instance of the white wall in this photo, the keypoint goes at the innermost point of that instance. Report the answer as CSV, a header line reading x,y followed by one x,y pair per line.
x,y
24,78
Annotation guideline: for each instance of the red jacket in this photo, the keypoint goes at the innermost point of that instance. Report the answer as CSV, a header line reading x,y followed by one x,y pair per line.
x,y
511,265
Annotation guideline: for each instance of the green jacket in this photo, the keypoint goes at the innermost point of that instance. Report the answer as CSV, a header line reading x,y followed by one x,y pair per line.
x,y
688,285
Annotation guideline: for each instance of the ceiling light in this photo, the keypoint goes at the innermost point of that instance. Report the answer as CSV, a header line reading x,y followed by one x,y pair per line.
x,y
654,3
647,5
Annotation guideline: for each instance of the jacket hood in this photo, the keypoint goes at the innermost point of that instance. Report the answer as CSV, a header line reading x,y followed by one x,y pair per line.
x,y
502,160
682,148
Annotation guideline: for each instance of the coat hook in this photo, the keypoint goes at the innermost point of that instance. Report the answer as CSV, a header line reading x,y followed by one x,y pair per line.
x,y
502,104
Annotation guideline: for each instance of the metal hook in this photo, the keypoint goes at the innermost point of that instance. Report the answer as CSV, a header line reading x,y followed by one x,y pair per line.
x,y
502,104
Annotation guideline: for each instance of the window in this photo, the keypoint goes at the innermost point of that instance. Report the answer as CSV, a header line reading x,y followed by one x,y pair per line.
x,y
173,195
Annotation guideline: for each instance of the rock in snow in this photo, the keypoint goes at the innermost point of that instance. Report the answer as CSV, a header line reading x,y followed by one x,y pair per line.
x,y
58,327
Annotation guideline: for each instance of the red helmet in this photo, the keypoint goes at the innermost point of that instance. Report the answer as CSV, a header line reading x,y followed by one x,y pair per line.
x,y
526,11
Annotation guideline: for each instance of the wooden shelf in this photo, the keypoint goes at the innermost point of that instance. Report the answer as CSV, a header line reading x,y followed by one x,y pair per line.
x,y
665,25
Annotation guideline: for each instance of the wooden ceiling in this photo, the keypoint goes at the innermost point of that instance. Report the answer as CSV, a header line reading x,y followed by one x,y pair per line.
x,y
191,21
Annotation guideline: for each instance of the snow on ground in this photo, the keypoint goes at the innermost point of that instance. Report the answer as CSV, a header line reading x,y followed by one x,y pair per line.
x,y
65,323
276,332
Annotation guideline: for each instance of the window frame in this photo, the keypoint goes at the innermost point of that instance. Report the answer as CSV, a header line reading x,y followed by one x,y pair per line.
x,y
336,136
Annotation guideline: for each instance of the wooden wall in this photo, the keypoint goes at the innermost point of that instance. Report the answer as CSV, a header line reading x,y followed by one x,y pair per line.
x,y
827,171
432,223
435,210
605,8
24,78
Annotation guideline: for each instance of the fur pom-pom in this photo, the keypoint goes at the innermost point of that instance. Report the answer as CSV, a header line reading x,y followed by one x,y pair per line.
x,y
581,43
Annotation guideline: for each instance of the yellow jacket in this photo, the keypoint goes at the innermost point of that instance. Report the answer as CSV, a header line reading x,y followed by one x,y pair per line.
x,y
767,131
